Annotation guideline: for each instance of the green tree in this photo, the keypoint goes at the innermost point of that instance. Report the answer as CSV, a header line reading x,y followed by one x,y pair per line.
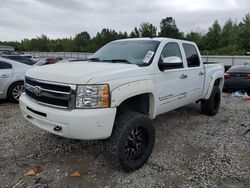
x,y
62,45
38,44
55,45
135,33
147,30
68,44
196,37
102,38
26,45
229,34
169,29
122,35
244,33
81,40
212,38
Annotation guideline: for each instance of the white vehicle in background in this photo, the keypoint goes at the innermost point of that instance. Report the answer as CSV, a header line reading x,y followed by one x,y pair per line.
x,y
31,57
116,94
11,79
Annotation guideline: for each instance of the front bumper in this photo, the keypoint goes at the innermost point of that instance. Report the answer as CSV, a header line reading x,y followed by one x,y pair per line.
x,y
86,124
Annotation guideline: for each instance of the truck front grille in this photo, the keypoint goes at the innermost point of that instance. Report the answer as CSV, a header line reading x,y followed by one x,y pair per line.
x,y
51,94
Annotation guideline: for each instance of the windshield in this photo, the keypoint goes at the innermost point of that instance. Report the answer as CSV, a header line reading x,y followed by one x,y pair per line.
x,y
138,52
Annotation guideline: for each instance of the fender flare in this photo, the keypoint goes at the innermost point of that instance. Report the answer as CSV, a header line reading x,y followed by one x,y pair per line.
x,y
214,77
128,90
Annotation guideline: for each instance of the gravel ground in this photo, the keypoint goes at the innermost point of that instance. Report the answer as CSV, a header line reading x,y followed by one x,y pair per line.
x,y
191,150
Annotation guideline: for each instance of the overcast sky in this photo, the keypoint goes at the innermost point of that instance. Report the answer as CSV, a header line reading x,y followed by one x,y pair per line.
x,y
21,19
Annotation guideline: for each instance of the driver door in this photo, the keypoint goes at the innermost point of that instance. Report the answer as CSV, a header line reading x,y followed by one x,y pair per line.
x,y
171,83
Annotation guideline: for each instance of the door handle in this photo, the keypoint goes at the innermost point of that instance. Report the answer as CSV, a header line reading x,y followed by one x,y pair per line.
x,y
4,76
201,73
183,76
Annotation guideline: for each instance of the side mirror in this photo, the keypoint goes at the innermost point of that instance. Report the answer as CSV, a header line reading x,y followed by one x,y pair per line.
x,y
172,62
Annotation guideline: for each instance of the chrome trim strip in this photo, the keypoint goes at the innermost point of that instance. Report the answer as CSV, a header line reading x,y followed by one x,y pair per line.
x,y
50,95
48,90
48,82
54,91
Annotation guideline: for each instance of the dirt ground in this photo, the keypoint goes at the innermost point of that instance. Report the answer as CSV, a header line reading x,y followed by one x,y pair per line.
x,y
191,150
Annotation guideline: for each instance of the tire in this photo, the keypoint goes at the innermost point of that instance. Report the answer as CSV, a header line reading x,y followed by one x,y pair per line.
x,y
211,106
225,90
248,91
132,141
15,91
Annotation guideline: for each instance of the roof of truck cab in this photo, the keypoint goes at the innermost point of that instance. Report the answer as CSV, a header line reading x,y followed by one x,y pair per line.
x,y
156,39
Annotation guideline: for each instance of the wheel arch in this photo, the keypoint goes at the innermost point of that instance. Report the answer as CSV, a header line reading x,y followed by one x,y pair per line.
x,y
140,93
12,83
216,81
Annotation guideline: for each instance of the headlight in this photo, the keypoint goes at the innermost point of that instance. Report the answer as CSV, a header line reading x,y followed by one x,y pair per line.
x,y
92,96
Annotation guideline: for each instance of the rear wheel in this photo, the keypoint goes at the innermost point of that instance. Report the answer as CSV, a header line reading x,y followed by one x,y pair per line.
x,y
211,106
225,90
132,140
15,91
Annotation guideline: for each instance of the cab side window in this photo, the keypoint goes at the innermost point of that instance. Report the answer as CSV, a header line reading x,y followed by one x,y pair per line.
x,y
4,65
171,50
192,56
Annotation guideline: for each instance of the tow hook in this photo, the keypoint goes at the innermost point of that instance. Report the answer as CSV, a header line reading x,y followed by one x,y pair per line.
x,y
29,117
57,128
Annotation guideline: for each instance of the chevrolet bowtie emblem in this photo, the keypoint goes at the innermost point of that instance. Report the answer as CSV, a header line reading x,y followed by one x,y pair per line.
x,y
37,90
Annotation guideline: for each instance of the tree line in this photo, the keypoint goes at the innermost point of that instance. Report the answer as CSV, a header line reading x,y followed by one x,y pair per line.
x,y
230,39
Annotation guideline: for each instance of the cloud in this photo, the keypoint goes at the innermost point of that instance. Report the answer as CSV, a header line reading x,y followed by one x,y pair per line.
x,y
65,18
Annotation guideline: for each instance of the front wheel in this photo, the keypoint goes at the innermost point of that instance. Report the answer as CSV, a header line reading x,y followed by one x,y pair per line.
x,y
15,91
132,140
211,106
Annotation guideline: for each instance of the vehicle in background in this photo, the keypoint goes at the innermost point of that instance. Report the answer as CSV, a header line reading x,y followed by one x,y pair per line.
x,y
116,94
11,79
237,78
47,61
33,58
20,58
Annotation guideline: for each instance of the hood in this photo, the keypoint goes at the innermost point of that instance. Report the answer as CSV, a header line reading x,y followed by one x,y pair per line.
x,y
82,72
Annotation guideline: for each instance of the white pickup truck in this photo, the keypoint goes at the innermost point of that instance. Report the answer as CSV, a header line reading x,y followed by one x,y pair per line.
x,y
116,94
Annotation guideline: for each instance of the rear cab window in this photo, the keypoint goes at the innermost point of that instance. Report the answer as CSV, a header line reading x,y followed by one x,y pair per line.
x,y
192,56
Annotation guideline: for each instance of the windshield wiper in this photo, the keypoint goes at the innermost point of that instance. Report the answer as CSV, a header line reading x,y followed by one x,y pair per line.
x,y
117,60
94,59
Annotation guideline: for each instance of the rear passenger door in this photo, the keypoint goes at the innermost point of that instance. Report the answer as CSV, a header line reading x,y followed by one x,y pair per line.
x,y
6,72
194,71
